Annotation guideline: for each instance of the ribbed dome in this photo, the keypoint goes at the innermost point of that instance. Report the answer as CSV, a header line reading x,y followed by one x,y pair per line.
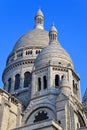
x,y
55,54
34,38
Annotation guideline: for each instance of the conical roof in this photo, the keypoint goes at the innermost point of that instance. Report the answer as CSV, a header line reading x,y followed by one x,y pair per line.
x,y
53,28
39,13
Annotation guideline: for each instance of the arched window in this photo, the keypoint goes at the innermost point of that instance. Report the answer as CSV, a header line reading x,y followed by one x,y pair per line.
x,y
73,83
28,52
37,51
27,79
39,84
62,77
56,80
44,82
17,81
9,84
75,88
42,115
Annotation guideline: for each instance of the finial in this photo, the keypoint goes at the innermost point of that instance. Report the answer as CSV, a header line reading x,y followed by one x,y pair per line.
x,y
53,34
39,19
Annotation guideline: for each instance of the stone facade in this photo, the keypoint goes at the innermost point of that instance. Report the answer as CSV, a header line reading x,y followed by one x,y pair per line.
x,y
10,111
41,74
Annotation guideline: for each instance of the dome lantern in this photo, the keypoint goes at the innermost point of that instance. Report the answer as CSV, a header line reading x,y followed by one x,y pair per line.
x,y
39,20
53,34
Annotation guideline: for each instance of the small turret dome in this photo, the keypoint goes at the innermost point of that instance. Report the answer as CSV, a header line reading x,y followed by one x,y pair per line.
x,y
53,53
39,20
53,34
53,28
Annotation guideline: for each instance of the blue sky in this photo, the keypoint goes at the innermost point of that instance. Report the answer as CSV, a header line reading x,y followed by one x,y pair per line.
x,y
69,17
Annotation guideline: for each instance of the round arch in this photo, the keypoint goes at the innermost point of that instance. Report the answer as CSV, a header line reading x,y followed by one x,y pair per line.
x,y
37,107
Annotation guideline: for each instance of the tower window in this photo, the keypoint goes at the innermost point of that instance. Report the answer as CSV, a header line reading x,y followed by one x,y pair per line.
x,y
37,51
75,89
62,77
28,52
39,84
44,82
17,81
42,115
19,54
9,84
73,83
26,79
56,80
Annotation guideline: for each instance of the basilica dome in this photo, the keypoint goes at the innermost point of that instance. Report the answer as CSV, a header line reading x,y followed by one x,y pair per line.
x,y
34,38
53,53
37,37
29,51
18,71
30,44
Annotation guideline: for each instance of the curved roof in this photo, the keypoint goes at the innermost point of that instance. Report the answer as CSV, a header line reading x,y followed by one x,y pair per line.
x,y
34,38
55,54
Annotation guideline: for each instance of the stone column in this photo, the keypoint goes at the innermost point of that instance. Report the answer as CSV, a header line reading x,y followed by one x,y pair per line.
x,y
78,92
15,56
70,80
33,85
42,87
21,81
49,78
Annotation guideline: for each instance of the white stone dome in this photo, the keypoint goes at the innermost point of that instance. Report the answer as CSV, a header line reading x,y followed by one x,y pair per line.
x,y
53,54
37,37
34,38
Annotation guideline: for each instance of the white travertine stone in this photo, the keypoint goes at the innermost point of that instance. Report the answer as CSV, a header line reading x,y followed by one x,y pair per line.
x,y
55,107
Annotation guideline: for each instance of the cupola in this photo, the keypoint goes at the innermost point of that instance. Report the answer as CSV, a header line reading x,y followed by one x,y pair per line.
x,y
39,20
53,35
53,53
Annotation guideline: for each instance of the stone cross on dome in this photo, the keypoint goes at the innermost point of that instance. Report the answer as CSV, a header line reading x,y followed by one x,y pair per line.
x,y
39,20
